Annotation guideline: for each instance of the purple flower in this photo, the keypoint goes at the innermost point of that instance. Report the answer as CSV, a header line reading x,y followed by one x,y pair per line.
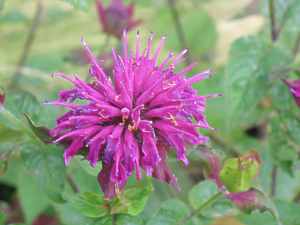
x,y
116,17
132,120
294,86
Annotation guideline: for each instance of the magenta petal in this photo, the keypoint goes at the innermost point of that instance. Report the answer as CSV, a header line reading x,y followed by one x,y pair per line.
x,y
150,155
162,171
72,150
294,86
108,186
252,199
213,166
132,154
176,141
94,151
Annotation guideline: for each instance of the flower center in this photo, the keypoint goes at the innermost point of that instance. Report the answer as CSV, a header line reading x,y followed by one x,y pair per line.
x,y
125,114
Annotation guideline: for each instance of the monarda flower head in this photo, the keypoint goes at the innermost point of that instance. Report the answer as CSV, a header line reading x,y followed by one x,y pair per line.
x,y
131,119
116,17
294,86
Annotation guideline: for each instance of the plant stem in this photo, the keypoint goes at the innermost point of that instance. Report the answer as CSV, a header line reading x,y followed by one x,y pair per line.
x,y
274,180
198,210
297,46
178,26
113,219
28,43
72,183
1,5
274,34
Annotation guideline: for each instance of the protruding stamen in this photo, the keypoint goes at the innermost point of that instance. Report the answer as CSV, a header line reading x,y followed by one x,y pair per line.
x,y
137,45
125,45
167,60
216,95
180,56
199,77
149,45
158,50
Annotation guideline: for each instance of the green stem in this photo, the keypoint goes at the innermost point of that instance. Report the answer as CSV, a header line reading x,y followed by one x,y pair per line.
x,y
28,43
199,209
72,183
297,46
274,180
113,219
274,34
179,28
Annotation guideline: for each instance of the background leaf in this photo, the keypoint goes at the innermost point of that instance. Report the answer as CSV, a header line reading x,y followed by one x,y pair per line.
x,y
91,204
237,174
169,213
133,200
45,163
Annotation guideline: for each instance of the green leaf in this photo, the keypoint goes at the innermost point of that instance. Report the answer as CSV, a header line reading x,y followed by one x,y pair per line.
x,y
12,133
33,199
288,212
2,217
8,120
202,192
283,142
46,164
129,220
91,204
104,221
257,219
41,132
10,142
70,216
85,165
252,68
23,102
237,174
133,200
171,212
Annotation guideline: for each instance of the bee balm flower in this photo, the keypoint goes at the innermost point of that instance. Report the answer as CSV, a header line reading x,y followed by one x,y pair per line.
x,y
116,17
131,122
